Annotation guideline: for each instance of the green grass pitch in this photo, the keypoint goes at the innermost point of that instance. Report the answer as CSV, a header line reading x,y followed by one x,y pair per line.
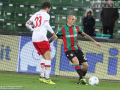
x,y
31,82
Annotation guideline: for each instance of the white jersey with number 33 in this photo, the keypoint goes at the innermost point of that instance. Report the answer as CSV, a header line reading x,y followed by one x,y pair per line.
x,y
40,30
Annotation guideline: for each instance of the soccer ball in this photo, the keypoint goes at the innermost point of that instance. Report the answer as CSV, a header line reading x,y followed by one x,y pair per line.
x,y
93,81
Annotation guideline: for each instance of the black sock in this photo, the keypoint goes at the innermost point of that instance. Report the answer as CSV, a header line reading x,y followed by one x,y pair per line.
x,y
80,72
84,71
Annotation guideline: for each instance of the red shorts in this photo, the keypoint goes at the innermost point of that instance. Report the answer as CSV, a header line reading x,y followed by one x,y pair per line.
x,y
42,47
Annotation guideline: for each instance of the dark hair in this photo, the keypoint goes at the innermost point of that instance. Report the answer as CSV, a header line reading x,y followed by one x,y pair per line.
x,y
46,5
89,12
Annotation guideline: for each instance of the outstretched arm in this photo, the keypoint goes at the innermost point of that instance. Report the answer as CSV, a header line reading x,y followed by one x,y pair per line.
x,y
91,39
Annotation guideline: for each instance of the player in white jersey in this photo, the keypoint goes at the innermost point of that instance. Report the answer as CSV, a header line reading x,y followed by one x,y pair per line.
x,y
41,24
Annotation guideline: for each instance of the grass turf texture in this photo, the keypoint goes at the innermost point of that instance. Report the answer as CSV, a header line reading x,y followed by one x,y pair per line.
x,y
31,82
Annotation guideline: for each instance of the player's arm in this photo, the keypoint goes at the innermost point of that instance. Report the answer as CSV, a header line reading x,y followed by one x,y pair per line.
x,y
46,19
29,26
47,25
88,37
51,39
91,39
59,33
54,37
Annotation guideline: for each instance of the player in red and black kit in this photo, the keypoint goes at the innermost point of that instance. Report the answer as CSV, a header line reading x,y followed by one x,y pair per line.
x,y
69,33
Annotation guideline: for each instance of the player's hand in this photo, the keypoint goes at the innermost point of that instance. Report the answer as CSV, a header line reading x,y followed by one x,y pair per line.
x,y
55,36
97,44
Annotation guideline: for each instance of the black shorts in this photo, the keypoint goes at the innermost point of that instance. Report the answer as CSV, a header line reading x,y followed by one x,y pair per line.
x,y
76,53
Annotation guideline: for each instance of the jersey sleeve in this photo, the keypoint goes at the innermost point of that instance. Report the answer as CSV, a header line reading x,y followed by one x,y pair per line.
x,y
31,19
49,27
59,33
47,18
81,31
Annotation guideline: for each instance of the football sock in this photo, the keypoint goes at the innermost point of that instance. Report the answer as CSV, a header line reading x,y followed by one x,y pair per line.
x,y
42,65
79,71
84,71
48,68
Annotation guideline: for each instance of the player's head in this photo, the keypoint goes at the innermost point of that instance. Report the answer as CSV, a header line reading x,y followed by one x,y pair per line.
x,y
70,19
46,6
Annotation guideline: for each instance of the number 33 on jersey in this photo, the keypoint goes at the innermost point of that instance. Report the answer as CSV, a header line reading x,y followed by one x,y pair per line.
x,y
39,20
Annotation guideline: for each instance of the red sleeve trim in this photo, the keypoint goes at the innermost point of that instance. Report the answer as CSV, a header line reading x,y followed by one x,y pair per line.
x,y
30,21
46,21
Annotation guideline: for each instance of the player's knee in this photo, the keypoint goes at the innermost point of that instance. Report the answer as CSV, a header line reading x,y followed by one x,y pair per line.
x,y
75,61
85,65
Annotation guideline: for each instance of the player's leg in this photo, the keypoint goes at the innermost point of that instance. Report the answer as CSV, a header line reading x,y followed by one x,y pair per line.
x,y
42,63
47,57
84,68
44,49
42,72
77,67
83,62
71,56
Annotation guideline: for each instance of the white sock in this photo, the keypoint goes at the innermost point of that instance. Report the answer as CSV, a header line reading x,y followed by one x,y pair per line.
x,y
48,68
42,65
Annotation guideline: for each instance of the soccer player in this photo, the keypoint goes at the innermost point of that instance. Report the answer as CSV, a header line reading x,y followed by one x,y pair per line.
x,y
41,24
69,33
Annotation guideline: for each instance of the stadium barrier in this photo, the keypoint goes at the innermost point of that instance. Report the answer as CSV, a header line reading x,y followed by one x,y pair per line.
x,y
9,52
19,55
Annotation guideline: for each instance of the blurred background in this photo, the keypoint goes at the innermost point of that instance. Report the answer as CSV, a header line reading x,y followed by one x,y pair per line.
x,y
15,13
17,53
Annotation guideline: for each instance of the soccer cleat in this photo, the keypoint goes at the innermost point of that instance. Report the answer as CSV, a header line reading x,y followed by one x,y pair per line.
x,y
48,81
83,81
42,80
